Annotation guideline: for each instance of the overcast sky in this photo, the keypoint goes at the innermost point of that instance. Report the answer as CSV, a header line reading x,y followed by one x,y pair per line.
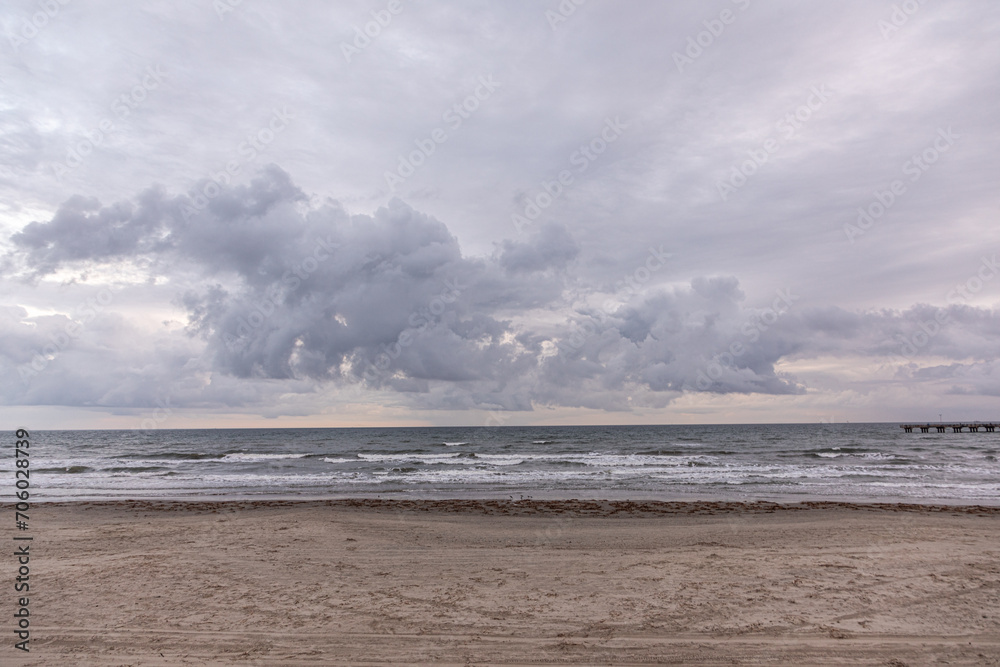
x,y
253,213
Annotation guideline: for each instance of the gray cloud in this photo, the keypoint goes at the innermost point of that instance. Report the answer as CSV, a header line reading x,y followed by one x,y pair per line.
x,y
309,295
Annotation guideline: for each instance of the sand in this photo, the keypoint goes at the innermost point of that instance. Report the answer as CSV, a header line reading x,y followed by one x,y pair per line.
x,y
467,582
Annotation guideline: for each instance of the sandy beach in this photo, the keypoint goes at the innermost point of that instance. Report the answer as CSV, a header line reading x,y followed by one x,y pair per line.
x,y
529,582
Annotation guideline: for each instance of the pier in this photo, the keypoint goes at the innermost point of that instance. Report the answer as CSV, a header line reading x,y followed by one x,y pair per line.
x,y
955,428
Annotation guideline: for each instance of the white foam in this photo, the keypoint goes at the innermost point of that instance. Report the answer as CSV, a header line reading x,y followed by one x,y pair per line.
x,y
593,459
859,455
405,458
256,458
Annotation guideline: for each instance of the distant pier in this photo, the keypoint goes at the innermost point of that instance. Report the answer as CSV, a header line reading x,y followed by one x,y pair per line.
x,y
955,428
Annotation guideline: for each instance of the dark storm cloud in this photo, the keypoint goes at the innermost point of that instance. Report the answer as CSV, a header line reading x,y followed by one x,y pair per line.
x,y
229,237
310,295
317,294
552,248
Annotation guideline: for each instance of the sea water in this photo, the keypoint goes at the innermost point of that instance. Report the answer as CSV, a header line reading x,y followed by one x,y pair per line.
x,y
783,462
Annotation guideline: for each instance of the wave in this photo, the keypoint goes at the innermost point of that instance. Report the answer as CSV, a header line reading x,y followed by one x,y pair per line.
x,y
180,456
404,456
593,459
69,470
454,444
861,455
244,457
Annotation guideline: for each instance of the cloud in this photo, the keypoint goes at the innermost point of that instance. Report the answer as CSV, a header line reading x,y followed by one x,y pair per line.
x,y
219,233
552,248
314,294
297,296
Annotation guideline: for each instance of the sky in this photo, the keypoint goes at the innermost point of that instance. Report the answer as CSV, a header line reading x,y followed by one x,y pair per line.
x,y
246,213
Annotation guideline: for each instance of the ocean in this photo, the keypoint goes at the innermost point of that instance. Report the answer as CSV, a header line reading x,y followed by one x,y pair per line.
x,y
780,462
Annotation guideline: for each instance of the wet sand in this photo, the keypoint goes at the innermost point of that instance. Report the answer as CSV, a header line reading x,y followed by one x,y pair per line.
x,y
530,582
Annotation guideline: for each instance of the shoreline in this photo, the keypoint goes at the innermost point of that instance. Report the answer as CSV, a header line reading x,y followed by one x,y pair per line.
x,y
528,506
